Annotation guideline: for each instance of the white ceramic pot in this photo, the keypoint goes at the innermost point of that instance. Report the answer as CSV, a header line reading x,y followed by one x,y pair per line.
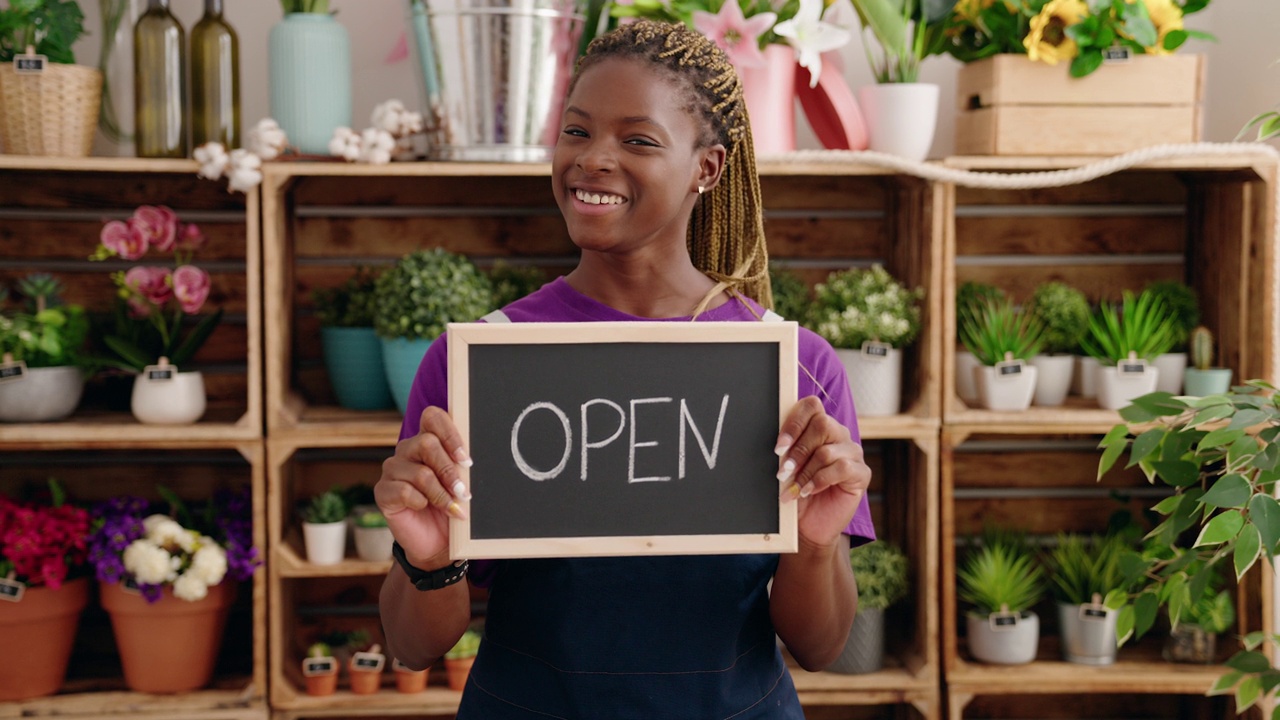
x,y
1005,392
1053,378
373,544
1087,639
1085,380
1013,644
901,117
41,394
326,543
876,382
1172,367
1116,390
966,385
179,400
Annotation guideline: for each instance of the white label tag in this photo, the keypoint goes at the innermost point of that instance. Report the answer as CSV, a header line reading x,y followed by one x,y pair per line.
x,y
876,350
1093,613
319,666
1009,369
1131,367
372,662
13,371
1116,54
11,590
29,64
1003,622
160,373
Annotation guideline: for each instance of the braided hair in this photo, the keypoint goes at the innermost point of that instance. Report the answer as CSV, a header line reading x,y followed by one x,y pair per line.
x,y
726,232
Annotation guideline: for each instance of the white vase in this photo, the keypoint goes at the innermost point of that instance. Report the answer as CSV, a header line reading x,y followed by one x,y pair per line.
x,y
1085,380
876,382
1005,392
901,117
1054,378
1116,390
179,400
1172,367
966,385
325,543
41,394
1013,644
1088,635
373,543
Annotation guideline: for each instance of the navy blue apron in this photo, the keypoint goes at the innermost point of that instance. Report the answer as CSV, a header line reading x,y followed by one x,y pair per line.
x,y
643,638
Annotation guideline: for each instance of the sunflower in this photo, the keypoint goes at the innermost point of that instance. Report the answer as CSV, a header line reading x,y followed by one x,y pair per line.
x,y
1166,16
1047,40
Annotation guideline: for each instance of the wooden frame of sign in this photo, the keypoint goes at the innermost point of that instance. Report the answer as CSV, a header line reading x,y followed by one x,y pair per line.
x,y
629,438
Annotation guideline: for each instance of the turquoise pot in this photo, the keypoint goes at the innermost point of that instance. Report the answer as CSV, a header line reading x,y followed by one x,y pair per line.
x,y
1213,381
310,78
353,357
401,358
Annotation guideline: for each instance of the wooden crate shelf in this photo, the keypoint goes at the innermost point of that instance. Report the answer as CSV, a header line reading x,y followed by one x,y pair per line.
x,y
216,704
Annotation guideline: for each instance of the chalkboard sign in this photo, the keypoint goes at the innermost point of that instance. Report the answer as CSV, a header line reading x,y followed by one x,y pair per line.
x,y
873,349
1009,369
372,662
29,64
319,666
1133,367
11,590
12,371
644,438
160,373
1003,621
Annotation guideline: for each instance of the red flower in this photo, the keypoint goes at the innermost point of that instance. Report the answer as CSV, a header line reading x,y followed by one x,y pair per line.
x,y
126,240
159,224
191,287
40,543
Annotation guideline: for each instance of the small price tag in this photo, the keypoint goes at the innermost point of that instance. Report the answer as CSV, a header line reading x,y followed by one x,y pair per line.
x,y
160,373
11,590
1003,621
319,666
29,64
130,585
1116,54
13,371
368,661
877,350
1093,613
1009,369
1131,367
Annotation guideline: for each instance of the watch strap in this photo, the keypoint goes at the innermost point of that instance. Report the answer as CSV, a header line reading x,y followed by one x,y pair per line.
x,y
430,579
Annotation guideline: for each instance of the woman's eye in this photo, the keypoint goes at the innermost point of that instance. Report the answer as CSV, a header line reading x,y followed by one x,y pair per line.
x,y
576,132
642,141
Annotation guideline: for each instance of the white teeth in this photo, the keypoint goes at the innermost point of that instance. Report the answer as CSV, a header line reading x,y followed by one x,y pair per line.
x,y
597,199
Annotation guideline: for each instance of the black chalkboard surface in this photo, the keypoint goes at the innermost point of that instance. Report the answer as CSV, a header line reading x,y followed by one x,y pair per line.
x,y
645,438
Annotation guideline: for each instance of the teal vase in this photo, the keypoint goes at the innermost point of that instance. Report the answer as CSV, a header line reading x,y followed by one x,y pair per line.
x,y
1211,381
353,357
401,358
310,78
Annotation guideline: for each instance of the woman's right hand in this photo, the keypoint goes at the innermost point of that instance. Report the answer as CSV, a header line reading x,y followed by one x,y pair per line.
x,y
421,487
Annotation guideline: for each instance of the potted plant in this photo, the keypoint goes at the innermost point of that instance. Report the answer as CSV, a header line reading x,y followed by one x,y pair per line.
x,y
150,337
1194,639
1003,338
373,537
971,297
1082,573
881,571
1002,581
416,299
320,670
167,577
460,657
41,354
1202,378
792,296
868,317
352,352
365,669
408,680
1182,303
324,528
45,586
1125,339
512,282
1064,313
52,108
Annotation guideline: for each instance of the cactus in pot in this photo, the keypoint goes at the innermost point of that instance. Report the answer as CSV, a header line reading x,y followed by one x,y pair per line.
x,y
1202,378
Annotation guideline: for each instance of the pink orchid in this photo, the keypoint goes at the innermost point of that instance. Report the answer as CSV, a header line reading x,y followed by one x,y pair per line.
x,y
191,237
124,239
151,283
160,225
191,287
737,35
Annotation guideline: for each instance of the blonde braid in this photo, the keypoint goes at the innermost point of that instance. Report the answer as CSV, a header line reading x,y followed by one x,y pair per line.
x,y
726,231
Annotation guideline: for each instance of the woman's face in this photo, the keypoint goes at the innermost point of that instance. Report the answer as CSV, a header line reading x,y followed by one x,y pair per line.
x,y
626,167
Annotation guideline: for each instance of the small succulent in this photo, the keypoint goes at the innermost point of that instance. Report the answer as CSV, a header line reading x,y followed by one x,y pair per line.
x,y
467,646
999,332
1182,304
45,333
425,291
1064,311
1200,345
1000,577
881,571
327,507
1140,325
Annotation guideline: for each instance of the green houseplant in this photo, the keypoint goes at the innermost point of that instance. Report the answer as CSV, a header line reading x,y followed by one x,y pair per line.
x,y
1124,338
1083,571
1183,305
868,317
970,297
792,297
1064,312
416,299
352,351
1211,613
1202,378
48,339
324,528
512,282
373,537
1003,338
460,657
881,571
1002,582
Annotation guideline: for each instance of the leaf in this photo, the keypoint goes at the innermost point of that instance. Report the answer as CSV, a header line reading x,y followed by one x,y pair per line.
x,y
1248,418
1221,437
1109,457
1176,589
1230,491
195,339
1144,445
1253,640
130,353
1268,458
1264,514
1086,62
1159,404
1249,661
1248,547
1243,449
1118,433
1247,693
886,22
1167,505
1174,39
1124,625
1225,526
1225,682
1144,612
1177,473
1217,411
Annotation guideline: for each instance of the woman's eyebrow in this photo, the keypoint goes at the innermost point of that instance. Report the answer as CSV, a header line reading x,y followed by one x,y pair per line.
x,y
629,120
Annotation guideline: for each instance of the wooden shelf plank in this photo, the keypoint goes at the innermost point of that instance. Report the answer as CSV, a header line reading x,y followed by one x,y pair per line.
x,y
291,565
1226,162
1051,676
97,164
120,431
890,685
197,705
1035,421
435,700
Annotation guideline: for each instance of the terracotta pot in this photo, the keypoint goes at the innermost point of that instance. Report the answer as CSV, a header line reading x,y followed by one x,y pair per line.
x,y
39,631
169,646
411,681
322,684
365,682
457,670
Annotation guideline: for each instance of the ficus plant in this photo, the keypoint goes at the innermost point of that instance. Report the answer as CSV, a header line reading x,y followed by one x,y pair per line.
x,y
1218,454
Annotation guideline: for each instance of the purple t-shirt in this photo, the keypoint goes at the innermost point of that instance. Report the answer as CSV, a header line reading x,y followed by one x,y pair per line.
x,y
557,301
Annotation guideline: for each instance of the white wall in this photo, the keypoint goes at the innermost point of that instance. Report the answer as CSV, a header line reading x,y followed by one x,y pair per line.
x,y
1244,77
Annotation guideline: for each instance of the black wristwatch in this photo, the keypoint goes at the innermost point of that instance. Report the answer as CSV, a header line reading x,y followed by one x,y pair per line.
x,y
429,580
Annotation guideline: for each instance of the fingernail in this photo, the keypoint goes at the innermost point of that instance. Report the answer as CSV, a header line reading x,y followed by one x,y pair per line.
x,y
806,491
790,492
788,467
460,455
456,510
784,444
460,491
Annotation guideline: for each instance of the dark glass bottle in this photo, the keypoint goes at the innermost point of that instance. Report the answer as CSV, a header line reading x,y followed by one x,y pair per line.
x,y
159,83
215,80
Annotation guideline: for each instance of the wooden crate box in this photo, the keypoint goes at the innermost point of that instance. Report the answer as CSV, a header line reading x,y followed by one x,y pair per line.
x,y
1010,105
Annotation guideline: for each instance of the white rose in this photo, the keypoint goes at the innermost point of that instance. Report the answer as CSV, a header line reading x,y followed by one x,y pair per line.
x,y
168,533
209,564
190,588
149,564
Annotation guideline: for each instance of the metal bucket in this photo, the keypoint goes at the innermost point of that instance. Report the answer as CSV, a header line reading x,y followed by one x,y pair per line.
x,y
495,74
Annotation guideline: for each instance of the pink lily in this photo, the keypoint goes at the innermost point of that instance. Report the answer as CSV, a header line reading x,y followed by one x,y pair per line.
x,y
737,35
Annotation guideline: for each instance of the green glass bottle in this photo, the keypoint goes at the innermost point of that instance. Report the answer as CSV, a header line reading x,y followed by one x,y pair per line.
x,y
215,80
159,83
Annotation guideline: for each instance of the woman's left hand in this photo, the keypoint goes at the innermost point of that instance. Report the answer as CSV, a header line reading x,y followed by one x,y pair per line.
x,y
820,465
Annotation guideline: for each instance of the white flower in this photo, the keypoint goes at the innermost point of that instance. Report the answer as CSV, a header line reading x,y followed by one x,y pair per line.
x,y
267,140
190,588
243,171
150,565
392,117
345,144
212,157
166,532
810,36
376,146
209,564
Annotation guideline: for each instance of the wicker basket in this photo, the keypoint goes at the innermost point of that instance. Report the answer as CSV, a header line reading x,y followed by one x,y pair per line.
x,y
54,112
